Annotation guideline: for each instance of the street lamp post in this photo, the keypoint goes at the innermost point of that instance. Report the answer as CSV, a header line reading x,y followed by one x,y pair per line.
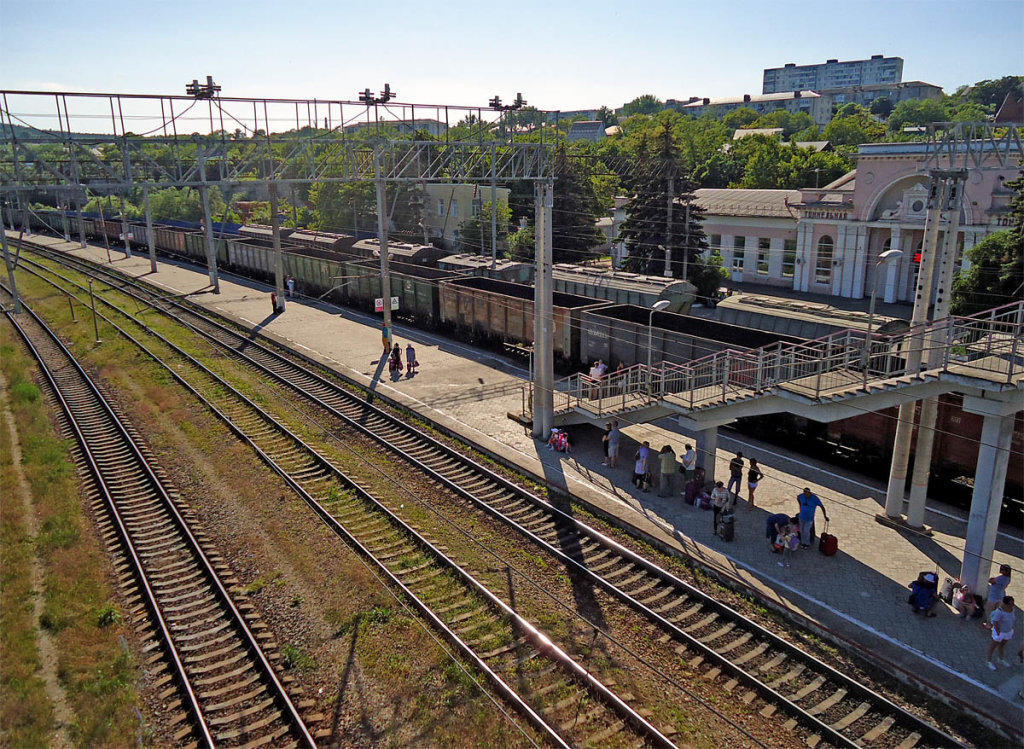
x,y
886,259
656,307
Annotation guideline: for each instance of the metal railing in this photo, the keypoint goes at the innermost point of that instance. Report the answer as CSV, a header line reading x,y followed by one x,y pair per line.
x,y
988,346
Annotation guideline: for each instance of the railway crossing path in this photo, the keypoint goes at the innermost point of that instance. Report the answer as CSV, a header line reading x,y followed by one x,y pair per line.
x,y
856,598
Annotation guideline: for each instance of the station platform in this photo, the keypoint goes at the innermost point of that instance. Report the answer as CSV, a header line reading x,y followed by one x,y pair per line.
x,y
857,599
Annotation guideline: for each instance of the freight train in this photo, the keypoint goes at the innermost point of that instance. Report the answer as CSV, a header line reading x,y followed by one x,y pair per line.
x,y
607,325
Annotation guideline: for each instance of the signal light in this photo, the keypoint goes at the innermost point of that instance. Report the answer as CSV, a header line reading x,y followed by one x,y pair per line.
x,y
916,257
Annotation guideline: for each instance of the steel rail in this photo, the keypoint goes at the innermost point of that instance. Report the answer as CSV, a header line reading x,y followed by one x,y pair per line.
x,y
542,642
256,651
941,738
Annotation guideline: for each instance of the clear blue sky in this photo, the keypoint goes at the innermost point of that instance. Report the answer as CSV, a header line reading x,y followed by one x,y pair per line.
x,y
561,55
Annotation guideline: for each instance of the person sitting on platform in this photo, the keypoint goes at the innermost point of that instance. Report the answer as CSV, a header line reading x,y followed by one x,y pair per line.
x,y
964,603
922,594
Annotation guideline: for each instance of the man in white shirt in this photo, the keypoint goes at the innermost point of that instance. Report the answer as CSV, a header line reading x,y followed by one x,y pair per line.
x,y
689,463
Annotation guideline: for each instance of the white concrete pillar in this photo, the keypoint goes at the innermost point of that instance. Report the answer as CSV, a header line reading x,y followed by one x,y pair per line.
x,y
860,263
970,239
803,257
726,252
776,248
839,261
893,270
707,451
989,483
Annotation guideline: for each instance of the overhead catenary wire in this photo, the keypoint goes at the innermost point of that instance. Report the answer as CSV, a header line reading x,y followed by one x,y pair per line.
x,y
794,485
678,360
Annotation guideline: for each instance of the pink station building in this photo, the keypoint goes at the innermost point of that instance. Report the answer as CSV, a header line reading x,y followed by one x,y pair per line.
x,y
827,240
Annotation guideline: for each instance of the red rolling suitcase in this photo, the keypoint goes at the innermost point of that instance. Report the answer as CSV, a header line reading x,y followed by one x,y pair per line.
x,y
828,544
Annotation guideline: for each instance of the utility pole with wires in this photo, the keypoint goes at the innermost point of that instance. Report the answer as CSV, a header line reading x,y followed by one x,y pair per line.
x,y
8,262
382,206
497,106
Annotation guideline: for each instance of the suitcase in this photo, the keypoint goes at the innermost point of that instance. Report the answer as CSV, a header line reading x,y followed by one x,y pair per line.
x,y
727,529
828,544
727,524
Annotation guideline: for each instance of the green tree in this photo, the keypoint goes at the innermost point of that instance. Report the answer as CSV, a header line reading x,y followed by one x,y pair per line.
x,y
969,111
475,232
644,104
996,273
343,206
707,274
765,169
882,106
574,213
607,116
185,204
648,231
742,117
914,112
721,170
852,125
807,168
522,245
990,93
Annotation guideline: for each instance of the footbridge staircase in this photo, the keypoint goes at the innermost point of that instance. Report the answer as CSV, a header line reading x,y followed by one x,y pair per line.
x,y
830,378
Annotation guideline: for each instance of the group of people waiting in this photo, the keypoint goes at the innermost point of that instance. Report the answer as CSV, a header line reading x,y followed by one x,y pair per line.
x,y
602,384
395,360
997,608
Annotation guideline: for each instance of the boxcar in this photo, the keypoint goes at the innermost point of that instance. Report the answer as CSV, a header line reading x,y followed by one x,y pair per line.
x,y
468,264
325,241
488,310
619,334
263,233
623,288
417,288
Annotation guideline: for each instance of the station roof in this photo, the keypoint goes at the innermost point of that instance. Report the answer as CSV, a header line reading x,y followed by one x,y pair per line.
x,y
738,202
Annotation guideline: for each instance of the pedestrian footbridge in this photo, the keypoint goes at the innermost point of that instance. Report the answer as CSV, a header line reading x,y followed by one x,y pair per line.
x,y
831,378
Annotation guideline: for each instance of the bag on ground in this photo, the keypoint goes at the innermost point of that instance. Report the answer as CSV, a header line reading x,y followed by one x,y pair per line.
x,y
946,591
727,525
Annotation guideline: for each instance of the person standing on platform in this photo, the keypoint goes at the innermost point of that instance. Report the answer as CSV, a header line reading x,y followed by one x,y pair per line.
x,y
997,588
809,504
290,283
604,442
396,359
273,303
689,463
735,474
667,468
754,476
385,336
719,499
1001,623
613,445
640,467
411,365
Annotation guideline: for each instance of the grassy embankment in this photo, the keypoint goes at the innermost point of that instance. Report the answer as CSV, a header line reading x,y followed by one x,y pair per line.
x,y
79,610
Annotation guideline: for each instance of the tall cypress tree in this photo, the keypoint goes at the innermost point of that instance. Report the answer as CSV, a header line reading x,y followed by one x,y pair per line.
x,y
648,230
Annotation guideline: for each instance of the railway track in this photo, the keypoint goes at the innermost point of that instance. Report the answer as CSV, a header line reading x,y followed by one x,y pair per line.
x,y
218,673
724,646
565,702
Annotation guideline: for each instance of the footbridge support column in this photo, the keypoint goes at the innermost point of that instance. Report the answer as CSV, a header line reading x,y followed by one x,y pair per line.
x,y
707,442
989,483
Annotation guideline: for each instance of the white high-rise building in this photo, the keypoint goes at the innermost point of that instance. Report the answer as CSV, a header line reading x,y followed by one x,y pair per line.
x,y
832,74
